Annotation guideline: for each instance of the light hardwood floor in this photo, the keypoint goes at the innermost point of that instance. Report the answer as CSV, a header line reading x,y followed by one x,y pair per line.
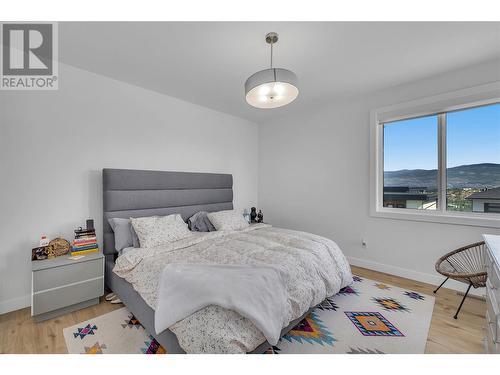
x,y
20,334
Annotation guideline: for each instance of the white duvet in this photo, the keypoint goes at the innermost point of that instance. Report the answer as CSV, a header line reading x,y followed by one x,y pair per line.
x,y
312,268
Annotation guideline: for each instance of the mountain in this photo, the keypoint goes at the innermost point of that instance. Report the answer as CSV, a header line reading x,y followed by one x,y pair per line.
x,y
485,175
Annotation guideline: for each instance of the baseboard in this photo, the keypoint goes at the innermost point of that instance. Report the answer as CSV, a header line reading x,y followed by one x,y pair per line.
x,y
15,304
413,275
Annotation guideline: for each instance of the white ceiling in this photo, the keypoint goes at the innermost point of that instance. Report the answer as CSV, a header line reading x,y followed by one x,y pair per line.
x,y
207,63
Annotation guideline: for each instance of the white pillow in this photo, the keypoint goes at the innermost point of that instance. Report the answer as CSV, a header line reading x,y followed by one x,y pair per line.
x,y
156,231
227,220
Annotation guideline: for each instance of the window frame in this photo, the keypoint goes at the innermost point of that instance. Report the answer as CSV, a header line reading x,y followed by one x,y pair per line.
x,y
435,105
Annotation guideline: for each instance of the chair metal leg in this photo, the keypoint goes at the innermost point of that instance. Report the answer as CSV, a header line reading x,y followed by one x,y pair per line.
x,y
445,280
461,303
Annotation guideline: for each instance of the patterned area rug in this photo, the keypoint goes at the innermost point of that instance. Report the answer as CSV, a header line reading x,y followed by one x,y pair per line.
x,y
365,318
117,332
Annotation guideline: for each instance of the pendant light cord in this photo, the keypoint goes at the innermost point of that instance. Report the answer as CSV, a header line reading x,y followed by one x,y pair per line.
x,y
274,70
272,55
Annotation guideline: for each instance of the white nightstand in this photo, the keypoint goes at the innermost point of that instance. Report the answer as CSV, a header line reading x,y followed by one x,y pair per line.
x,y
62,285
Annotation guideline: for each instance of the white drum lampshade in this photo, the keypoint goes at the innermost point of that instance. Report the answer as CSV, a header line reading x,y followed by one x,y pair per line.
x,y
273,87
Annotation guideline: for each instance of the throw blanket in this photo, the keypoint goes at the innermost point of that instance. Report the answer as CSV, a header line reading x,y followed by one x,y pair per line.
x,y
312,268
257,293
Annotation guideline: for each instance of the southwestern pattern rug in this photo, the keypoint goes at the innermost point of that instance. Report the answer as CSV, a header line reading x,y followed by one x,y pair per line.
x,y
366,317
117,332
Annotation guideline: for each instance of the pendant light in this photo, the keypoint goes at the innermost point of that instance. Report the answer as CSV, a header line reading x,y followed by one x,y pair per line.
x,y
273,87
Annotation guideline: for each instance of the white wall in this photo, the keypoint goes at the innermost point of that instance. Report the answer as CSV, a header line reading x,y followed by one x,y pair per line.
x,y
53,145
314,176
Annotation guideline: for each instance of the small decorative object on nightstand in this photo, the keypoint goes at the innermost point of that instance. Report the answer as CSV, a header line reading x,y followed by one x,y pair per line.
x,y
62,284
253,214
260,217
58,247
39,253
246,215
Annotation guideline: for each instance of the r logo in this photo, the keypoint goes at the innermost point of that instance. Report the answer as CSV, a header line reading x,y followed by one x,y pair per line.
x,y
27,49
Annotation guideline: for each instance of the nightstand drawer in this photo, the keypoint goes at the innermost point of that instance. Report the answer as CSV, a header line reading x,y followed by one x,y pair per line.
x,y
72,273
54,299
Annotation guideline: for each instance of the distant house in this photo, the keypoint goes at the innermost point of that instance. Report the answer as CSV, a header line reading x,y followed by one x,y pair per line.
x,y
409,197
486,201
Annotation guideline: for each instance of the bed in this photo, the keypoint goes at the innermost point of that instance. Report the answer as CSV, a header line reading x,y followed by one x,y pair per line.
x,y
138,193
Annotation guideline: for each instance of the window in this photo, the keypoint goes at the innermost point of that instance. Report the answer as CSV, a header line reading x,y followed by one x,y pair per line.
x,y
438,159
411,153
410,163
473,159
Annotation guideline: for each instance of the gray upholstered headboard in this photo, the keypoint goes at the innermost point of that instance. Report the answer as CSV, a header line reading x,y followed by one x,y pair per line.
x,y
135,193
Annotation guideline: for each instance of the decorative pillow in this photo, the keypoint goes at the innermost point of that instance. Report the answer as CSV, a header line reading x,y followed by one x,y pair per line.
x,y
199,222
156,231
228,220
125,235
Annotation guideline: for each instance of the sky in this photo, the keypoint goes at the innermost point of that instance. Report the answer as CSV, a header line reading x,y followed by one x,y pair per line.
x,y
473,137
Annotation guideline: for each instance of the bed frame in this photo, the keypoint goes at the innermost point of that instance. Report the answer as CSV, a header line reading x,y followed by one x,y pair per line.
x,y
137,193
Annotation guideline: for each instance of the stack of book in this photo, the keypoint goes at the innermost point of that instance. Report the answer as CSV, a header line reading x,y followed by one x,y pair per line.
x,y
85,242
